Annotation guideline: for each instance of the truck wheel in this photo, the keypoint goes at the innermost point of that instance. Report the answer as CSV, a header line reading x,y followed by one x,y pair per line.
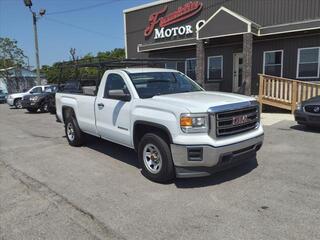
x,y
18,103
155,157
32,110
44,107
73,132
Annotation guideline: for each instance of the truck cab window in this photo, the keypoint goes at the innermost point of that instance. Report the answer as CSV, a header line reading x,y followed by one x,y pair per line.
x,y
36,90
114,82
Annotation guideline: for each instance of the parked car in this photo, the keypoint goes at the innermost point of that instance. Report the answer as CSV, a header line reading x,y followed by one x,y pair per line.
x,y
177,128
308,112
3,96
39,101
15,99
71,86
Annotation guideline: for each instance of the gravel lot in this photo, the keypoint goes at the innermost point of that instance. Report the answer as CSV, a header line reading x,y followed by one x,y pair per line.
x,y
49,190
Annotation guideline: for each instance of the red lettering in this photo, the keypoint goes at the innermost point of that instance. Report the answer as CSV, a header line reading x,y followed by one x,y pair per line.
x,y
153,21
182,13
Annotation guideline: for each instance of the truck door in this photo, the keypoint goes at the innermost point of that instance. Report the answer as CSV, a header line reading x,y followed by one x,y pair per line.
x,y
113,115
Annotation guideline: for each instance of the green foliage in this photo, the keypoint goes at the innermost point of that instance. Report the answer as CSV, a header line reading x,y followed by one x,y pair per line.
x,y
10,54
55,74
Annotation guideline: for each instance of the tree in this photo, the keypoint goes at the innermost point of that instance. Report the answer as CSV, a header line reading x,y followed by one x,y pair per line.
x,y
12,59
54,74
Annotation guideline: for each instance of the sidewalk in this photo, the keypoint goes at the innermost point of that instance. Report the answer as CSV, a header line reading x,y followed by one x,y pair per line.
x,y
269,119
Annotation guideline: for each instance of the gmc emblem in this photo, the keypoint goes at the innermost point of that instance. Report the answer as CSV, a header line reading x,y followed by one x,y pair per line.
x,y
238,120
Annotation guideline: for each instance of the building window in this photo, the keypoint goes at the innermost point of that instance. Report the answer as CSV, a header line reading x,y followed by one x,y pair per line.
x,y
215,67
308,62
190,68
171,65
273,63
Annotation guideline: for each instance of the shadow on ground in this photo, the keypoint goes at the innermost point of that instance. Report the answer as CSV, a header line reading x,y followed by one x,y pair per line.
x,y
116,151
304,128
129,156
219,177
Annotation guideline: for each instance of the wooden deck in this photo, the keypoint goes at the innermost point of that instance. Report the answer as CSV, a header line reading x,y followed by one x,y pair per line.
x,y
285,93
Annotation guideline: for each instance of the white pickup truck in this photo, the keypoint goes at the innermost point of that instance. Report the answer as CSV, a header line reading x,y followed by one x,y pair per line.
x,y
177,128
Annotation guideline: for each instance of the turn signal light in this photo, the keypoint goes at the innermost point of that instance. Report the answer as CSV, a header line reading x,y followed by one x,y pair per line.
x,y
186,122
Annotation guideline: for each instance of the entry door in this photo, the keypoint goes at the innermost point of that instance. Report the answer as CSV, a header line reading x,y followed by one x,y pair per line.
x,y
237,71
113,115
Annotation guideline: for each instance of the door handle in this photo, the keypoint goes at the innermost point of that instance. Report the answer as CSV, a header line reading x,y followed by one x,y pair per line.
x,y
100,105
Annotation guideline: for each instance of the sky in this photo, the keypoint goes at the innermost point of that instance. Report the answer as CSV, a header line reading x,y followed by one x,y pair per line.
x,y
89,26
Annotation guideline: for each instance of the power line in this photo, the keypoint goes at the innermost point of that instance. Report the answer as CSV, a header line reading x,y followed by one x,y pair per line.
x,y
84,8
81,28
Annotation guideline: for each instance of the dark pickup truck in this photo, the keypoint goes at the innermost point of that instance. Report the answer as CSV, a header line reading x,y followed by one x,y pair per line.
x,y
39,101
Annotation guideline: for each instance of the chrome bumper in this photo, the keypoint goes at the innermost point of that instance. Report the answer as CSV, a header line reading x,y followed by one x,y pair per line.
x,y
10,101
203,160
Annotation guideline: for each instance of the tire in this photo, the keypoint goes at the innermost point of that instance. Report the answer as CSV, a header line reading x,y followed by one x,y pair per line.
x,y
18,103
74,134
44,107
52,110
32,110
151,147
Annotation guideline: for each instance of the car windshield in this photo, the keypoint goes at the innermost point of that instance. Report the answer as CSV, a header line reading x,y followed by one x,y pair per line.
x,y
1,91
160,83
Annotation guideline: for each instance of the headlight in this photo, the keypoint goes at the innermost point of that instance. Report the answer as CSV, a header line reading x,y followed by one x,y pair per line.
x,y
299,106
194,123
33,99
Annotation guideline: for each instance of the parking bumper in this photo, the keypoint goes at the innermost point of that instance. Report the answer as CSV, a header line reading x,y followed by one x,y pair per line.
x,y
204,160
302,117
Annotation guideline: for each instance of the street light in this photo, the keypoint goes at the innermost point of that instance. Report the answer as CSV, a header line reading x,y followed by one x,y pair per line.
x,y
35,17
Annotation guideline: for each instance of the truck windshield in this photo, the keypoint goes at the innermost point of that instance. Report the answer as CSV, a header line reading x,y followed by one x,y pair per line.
x,y
150,84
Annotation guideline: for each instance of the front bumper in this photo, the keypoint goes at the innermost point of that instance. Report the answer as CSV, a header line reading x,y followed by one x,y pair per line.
x,y
203,160
10,101
29,104
305,118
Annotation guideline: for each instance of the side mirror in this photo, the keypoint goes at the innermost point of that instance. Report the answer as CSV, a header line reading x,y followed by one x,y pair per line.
x,y
119,95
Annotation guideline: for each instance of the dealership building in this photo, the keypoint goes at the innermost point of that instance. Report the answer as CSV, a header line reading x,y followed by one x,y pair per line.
x,y
225,44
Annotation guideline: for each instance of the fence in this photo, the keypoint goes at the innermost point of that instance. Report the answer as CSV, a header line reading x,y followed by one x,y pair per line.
x,y
285,93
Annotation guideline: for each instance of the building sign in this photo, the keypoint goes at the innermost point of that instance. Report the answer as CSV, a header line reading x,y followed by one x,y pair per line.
x,y
184,12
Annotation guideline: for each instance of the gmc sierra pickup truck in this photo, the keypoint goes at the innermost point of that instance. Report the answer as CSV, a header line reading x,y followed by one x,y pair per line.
x,y
176,127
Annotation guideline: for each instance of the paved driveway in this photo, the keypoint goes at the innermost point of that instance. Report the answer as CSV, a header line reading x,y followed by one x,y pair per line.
x,y
49,190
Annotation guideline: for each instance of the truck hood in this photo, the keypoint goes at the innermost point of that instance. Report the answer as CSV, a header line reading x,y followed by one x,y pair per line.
x,y
202,101
18,95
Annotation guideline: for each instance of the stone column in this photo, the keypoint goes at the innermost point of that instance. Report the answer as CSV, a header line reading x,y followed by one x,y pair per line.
x,y
247,62
200,67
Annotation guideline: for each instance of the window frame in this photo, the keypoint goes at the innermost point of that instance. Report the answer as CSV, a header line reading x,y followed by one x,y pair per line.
x,y
298,63
264,60
35,87
186,65
105,95
208,68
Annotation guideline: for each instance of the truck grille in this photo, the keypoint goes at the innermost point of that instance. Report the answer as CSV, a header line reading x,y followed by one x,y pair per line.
x,y
237,121
313,109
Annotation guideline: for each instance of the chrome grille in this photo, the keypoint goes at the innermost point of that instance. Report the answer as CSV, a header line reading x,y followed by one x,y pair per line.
x,y
237,121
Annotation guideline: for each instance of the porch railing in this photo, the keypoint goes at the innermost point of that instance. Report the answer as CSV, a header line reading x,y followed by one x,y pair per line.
x,y
285,93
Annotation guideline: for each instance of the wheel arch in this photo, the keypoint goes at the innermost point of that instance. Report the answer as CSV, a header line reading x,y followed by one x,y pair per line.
x,y
67,111
140,128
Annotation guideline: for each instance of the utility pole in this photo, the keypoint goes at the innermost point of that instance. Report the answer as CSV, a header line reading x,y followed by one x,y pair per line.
x,y
35,31
35,17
